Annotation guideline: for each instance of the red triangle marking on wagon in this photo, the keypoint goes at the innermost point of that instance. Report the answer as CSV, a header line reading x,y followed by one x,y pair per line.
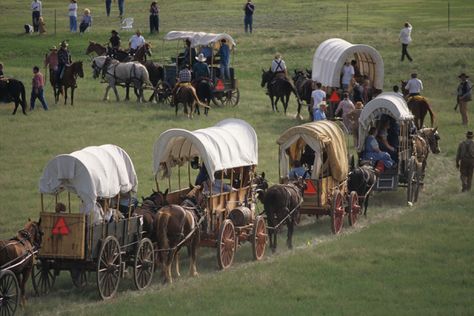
x,y
60,228
220,85
310,188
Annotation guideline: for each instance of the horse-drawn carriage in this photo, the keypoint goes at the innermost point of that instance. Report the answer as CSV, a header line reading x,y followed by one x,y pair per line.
x,y
321,147
228,155
9,292
97,238
222,92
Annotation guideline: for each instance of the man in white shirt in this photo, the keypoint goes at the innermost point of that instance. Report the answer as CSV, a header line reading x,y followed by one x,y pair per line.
x,y
136,41
347,75
36,8
414,85
317,96
405,39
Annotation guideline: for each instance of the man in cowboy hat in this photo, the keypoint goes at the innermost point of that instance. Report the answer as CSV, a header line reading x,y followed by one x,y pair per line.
x,y
64,59
465,161
51,59
464,96
201,69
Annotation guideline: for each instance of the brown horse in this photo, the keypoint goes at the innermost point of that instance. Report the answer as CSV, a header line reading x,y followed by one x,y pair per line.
x,y
425,140
186,94
16,254
419,107
178,225
304,85
279,89
149,209
69,80
102,50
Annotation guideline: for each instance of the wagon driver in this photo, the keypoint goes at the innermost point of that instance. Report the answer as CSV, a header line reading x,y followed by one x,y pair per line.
x,y
465,161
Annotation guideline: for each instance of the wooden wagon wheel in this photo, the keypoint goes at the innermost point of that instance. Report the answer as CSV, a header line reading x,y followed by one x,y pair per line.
x,y
411,179
416,182
226,244
109,266
337,212
43,277
9,293
144,264
354,208
218,98
163,92
232,97
79,277
259,238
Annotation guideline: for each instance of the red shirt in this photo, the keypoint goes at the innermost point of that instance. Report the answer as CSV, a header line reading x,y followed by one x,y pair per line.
x,y
38,81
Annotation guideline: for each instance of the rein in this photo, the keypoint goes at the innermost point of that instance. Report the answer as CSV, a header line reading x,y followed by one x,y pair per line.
x,y
290,213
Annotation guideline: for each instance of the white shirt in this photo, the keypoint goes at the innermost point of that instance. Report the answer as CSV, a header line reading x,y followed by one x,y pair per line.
x,y
72,9
278,65
95,213
318,96
136,41
36,6
414,85
405,35
347,74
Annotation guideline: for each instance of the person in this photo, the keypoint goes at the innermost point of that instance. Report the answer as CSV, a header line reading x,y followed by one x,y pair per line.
x,y
249,8
184,79
36,8
464,96
201,69
108,5
202,175
86,20
224,59
51,60
405,39
373,152
136,41
97,213
64,59
366,92
154,18
414,85
37,89
317,96
353,119
73,16
357,73
298,171
121,6
278,67
345,106
357,90
114,40
60,208
465,161
319,113
187,57
207,52
347,75
1,70
396,89
382,138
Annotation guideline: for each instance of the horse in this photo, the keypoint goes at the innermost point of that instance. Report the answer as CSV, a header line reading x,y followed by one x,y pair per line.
x,y
419,107
178,225
261,186
304,85
148,209
361,180
115,72
17,249
280,89
424,141
102,50
186,94
279,201
12,90
71,72
204,92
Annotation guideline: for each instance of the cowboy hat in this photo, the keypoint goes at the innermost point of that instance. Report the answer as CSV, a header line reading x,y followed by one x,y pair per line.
x,y
321,103
64,44
53,48
201,57
463,75
359,105
114,32
469,134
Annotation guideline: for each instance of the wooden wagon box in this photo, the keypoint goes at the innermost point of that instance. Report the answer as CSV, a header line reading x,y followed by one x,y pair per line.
x,y
317,194
64,235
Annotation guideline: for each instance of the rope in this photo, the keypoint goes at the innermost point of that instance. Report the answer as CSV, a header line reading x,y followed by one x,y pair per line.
x,y
185,238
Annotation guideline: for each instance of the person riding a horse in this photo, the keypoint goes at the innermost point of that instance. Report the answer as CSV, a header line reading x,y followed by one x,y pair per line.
x,y
414,85
114,44
136,41
64,59
184,79
279,67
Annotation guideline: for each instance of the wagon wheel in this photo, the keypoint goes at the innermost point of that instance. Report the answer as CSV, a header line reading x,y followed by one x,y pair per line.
x,y
43,277
218,98
9,293
259,238
144,264
337,212
411,180
79,277
417,183
232,97
354,208
163,92
109,264
226,244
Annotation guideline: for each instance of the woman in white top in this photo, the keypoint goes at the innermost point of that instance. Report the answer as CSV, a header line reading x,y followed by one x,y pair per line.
x,y
405,39
347,75
73,16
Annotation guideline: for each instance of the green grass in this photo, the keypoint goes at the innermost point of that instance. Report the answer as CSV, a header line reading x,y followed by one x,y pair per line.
x,y
397,261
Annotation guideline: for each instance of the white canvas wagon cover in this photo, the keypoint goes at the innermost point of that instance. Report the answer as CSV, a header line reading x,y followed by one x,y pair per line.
x,y
231,143
331,54
95,171
389,103
200,38
321,136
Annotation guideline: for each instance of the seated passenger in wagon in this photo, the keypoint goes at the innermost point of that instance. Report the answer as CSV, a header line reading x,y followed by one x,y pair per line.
x,y
372,150
298,171
217,186
387,137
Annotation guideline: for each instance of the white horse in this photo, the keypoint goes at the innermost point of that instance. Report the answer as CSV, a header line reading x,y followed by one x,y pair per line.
x,y
115,72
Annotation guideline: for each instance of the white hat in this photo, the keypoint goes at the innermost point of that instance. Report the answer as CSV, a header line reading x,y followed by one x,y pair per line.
x,y
321,103
201,57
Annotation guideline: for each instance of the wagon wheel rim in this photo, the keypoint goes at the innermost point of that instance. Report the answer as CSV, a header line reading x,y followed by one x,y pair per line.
x,y
9,293
232,97
109,265
144,264
163,90
259,238
410,180
226,245
337,213
79,278
354,208
217,99
43,278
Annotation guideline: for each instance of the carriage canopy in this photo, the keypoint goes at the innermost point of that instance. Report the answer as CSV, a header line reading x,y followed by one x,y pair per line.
x,y
388,103
95,171
231,143
321,136
200,38
331,54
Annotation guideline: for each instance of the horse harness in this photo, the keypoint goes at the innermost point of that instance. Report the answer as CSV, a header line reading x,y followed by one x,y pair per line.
x,y
29,251
105,70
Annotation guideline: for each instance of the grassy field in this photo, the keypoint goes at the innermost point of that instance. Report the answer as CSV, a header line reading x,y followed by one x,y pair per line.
x,y
399,260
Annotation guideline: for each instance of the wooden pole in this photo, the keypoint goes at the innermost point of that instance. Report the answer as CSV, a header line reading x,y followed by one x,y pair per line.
x,y
54,22
347,17
449,16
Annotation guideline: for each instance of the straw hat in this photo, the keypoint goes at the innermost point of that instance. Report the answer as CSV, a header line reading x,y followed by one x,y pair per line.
x,y
201,57
53,48
359,105
87,11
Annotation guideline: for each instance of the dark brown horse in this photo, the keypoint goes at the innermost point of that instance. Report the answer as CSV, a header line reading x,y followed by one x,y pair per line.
x,y
279,202
419,107
304,85
102,50
69,80
149,209
12,90
176,226
186,94
279,89
16,254
361,180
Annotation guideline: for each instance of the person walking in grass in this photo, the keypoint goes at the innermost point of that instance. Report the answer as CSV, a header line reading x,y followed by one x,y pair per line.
x,y
464,96
86,20
154,18
405,39
108,5
37,87
36,8
249,8
73,16
465,161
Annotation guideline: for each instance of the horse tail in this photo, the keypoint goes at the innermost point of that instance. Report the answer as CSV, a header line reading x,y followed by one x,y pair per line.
x,y
199,103
24,103
161,232
432,115
298,99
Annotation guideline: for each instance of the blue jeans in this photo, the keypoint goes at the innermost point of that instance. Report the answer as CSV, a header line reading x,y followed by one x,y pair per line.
x,y
248,23
73,24
121,4
225,71
40,96
108,4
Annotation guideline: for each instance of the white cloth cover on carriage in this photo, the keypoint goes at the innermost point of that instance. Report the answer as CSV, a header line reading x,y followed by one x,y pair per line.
x,y
231,143
95,171
320,136
200,38
389,103
331,54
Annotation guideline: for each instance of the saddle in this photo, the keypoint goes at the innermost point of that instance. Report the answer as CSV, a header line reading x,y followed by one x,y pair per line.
x,y
417,98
